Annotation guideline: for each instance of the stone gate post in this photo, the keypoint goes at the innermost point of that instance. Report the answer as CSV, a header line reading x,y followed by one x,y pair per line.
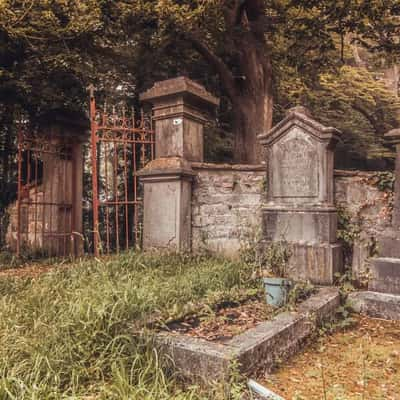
x,y
64,184
180,109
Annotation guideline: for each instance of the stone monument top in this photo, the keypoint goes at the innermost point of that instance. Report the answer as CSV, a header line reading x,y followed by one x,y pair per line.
x,y
300,160
300,117
177,87
393,136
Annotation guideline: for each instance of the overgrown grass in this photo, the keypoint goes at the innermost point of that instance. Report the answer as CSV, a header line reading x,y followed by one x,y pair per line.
x,y
69,333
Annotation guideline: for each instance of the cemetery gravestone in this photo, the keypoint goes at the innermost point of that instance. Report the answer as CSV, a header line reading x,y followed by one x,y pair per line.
x,y
300,209
385,269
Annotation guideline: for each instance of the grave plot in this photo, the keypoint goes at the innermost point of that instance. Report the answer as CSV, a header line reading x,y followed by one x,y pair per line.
x,y
228,319
206,358
362,362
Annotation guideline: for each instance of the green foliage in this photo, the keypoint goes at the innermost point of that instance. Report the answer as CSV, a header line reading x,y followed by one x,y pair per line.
x,y
348,230
81,331
385,181
276,258
299,292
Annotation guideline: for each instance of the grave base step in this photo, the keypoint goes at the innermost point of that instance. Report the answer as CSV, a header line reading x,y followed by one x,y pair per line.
x,y
385,275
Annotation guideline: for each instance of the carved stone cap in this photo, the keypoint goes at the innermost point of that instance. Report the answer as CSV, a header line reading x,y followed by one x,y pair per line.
x,y
299,116
179,86
393,136
166,166
299,110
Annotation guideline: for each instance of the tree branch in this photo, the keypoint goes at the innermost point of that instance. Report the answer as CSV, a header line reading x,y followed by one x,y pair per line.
x,y
368,116
233,13
224,72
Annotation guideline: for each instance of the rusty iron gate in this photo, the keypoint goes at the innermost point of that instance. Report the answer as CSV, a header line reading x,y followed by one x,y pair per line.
x,y
121,144
44,205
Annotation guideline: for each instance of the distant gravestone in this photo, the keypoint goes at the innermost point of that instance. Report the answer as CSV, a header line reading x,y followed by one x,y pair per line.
x,y
385,269
300,209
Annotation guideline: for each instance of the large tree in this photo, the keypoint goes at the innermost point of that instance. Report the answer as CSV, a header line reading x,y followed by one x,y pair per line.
x,y
55,47
243,41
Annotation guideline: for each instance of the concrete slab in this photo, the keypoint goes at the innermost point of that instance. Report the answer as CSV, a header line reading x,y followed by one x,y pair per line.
x,y
385,275
376,305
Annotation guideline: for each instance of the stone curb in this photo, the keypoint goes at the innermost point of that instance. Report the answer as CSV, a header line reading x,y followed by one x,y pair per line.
x,y
376,305
258,348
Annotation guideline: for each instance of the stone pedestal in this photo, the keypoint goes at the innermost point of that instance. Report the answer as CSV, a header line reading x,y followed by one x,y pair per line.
x,y
300,209
167,204
385,270
180,109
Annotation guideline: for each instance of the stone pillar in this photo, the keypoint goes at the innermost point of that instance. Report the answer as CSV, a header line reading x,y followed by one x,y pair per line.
x,y
385,269
180,109
167,204
63,183
393,137
300,201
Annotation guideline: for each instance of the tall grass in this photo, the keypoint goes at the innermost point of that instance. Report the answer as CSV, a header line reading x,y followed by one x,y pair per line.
x,y
82,332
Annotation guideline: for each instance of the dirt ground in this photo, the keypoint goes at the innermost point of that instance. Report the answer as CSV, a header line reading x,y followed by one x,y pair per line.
x,y
226,322
361,363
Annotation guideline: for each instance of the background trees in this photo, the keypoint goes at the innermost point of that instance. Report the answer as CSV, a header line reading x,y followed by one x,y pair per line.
x,y
260,56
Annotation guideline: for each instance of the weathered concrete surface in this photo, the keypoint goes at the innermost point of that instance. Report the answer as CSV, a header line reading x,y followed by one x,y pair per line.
x,y
167,204
376,305
180,108
306,260
197,359
300,192
357,193
227,201
226,206
269,342
259,348
312,224
385,275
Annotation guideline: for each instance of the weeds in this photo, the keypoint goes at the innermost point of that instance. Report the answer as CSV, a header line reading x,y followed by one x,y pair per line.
x,y
69,333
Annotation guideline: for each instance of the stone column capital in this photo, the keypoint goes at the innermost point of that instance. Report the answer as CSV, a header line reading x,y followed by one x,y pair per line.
x,y
181,109
178,90
393,136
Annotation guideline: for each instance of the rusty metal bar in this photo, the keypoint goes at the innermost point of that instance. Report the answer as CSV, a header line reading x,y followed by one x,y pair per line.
x,y
19,194
128,143
107,197
95,200
115,184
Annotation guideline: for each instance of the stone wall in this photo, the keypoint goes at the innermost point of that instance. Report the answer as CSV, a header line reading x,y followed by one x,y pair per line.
x,y
227,201
226,206
369,208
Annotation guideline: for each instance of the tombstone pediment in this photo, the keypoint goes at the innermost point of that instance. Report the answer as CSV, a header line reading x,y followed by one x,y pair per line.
x,y
299,120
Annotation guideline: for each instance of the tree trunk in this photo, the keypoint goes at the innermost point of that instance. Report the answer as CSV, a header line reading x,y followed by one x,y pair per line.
x,y
252,105
252,116
249,83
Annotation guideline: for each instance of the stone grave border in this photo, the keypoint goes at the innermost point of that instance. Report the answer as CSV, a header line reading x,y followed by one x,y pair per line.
x,y
259,348
376,305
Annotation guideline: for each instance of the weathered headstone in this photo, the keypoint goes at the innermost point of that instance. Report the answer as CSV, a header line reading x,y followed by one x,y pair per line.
x,y
180,109
300,209
385,269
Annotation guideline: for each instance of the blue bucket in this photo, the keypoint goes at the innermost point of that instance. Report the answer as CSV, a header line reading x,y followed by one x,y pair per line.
x,y
277,290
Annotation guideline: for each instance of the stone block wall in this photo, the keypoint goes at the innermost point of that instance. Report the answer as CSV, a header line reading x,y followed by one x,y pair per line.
x,y
370,211
227,201
226,206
